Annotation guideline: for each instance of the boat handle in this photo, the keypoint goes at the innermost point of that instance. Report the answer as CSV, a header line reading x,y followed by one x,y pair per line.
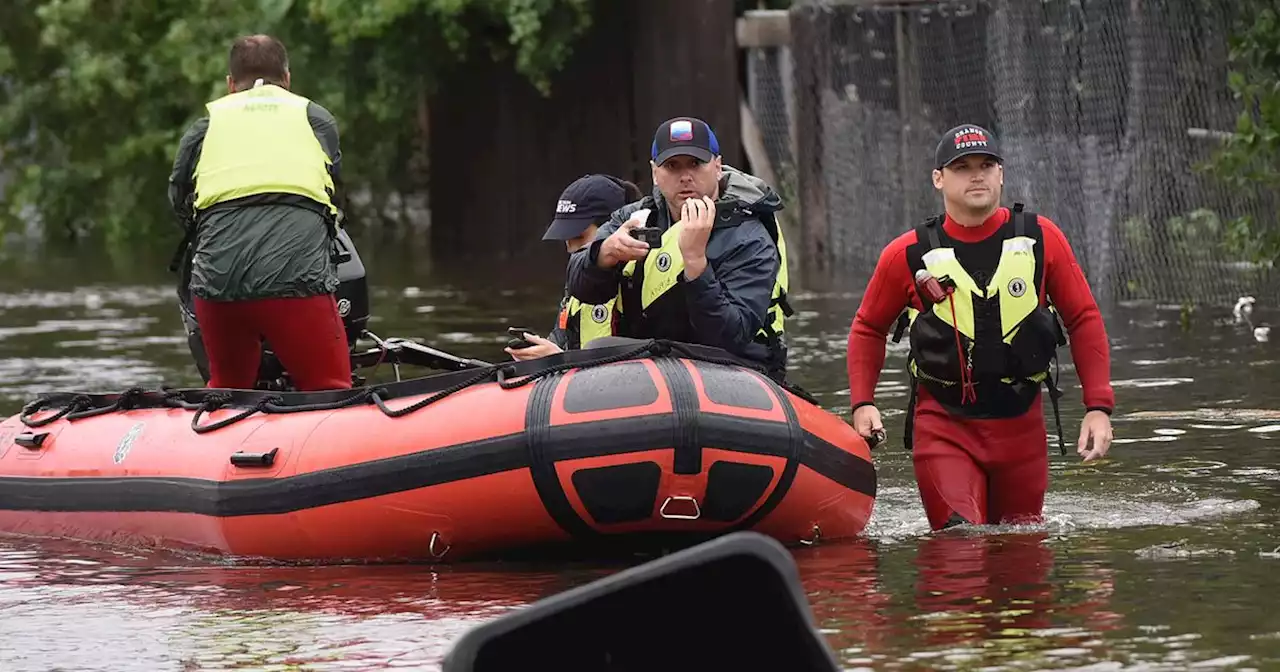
x,y
431,548
697,511
32,441
243,459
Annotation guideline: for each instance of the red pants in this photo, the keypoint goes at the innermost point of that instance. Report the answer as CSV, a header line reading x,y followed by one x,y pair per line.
x,y
986,471
306,335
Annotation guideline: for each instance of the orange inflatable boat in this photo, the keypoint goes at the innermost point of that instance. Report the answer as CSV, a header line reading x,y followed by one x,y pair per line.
x,y
630,446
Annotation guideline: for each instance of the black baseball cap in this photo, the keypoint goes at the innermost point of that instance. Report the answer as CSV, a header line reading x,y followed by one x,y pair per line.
x,y
964,140
590,199
684,135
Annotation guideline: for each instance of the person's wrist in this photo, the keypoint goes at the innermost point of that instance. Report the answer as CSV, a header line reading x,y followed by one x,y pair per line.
x,y
603,258
694,267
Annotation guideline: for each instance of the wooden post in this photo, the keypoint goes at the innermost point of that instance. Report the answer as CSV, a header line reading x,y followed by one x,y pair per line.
x,y
761,167
904,147
765,29
811,54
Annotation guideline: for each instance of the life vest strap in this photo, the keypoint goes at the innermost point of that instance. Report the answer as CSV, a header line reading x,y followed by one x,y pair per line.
x,y
1054,395
781,301
901,326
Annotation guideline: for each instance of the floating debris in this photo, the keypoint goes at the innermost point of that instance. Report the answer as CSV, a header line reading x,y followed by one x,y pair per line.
x,y
1233,415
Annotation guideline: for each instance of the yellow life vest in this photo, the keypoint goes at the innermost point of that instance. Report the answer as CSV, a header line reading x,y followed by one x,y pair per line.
x,y
260,141
593,321
662,268
997,331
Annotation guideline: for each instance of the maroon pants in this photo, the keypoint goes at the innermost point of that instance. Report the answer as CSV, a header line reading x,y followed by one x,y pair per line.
x,y
306,335
986,471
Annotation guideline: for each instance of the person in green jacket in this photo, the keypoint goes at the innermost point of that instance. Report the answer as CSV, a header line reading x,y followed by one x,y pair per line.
x,y
255,182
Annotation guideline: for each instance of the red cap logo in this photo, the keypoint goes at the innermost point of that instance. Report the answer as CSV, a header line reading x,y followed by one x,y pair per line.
x,y
970,137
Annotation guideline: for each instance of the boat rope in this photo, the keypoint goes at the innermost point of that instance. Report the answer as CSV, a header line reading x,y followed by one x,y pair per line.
x,y
654,348
380,392
501,371
219,399
203,401
75,403
80,406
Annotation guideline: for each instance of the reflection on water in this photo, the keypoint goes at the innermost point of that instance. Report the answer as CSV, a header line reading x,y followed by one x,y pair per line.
x,y
1161,556
161,613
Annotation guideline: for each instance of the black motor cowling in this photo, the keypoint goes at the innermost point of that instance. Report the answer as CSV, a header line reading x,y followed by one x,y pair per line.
x,y
353,305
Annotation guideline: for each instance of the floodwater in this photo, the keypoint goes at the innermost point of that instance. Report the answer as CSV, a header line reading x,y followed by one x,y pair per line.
x,y
1166,555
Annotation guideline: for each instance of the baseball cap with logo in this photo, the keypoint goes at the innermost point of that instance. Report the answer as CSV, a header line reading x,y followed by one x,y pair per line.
x,y
684,136
965,140
588,200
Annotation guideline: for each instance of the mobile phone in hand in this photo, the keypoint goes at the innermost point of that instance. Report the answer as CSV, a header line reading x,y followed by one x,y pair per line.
x,y
651,236
518,341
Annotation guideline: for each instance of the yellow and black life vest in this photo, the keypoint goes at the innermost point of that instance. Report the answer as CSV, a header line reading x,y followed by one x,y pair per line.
x,y
585,322
984,350
660,272
260,144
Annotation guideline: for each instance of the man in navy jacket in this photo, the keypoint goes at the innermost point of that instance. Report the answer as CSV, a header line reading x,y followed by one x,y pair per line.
x,y
718,278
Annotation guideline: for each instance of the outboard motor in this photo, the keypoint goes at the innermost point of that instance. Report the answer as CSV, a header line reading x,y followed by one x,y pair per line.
x,y
353,288
353,306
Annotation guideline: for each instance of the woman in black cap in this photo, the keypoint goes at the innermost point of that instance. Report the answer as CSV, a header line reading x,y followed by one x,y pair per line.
x,y
581,209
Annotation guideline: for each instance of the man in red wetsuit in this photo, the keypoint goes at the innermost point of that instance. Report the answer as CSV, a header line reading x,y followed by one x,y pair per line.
x,y
983,337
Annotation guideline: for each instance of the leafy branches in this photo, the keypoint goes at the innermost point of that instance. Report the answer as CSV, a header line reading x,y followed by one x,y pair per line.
x,y
1249,160
94,94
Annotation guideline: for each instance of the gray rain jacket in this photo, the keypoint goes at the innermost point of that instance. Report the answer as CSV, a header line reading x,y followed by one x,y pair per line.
x,y
257,251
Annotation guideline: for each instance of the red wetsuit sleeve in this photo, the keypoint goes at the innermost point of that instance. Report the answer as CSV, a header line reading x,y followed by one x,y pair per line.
x,y
1069,291
889,292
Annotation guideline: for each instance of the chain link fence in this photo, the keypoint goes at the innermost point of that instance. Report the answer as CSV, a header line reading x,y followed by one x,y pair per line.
x,y
1106,111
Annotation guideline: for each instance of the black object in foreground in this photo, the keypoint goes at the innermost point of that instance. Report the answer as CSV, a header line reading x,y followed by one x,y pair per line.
x,y
733,603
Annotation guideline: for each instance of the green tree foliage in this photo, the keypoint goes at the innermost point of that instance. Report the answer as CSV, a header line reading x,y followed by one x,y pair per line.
x,y
94,94
1250,158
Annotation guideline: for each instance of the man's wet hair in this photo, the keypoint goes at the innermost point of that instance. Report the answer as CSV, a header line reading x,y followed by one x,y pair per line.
x,y
256,57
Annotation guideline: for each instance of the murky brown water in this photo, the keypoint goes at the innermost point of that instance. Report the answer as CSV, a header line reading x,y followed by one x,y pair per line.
x,y
1164,556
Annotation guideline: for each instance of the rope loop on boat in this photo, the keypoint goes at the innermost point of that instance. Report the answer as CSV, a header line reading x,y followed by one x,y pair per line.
x,y
217,400
72,403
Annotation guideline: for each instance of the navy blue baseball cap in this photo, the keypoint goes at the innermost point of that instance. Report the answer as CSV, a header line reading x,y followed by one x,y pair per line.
x,y
687,136
588,200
